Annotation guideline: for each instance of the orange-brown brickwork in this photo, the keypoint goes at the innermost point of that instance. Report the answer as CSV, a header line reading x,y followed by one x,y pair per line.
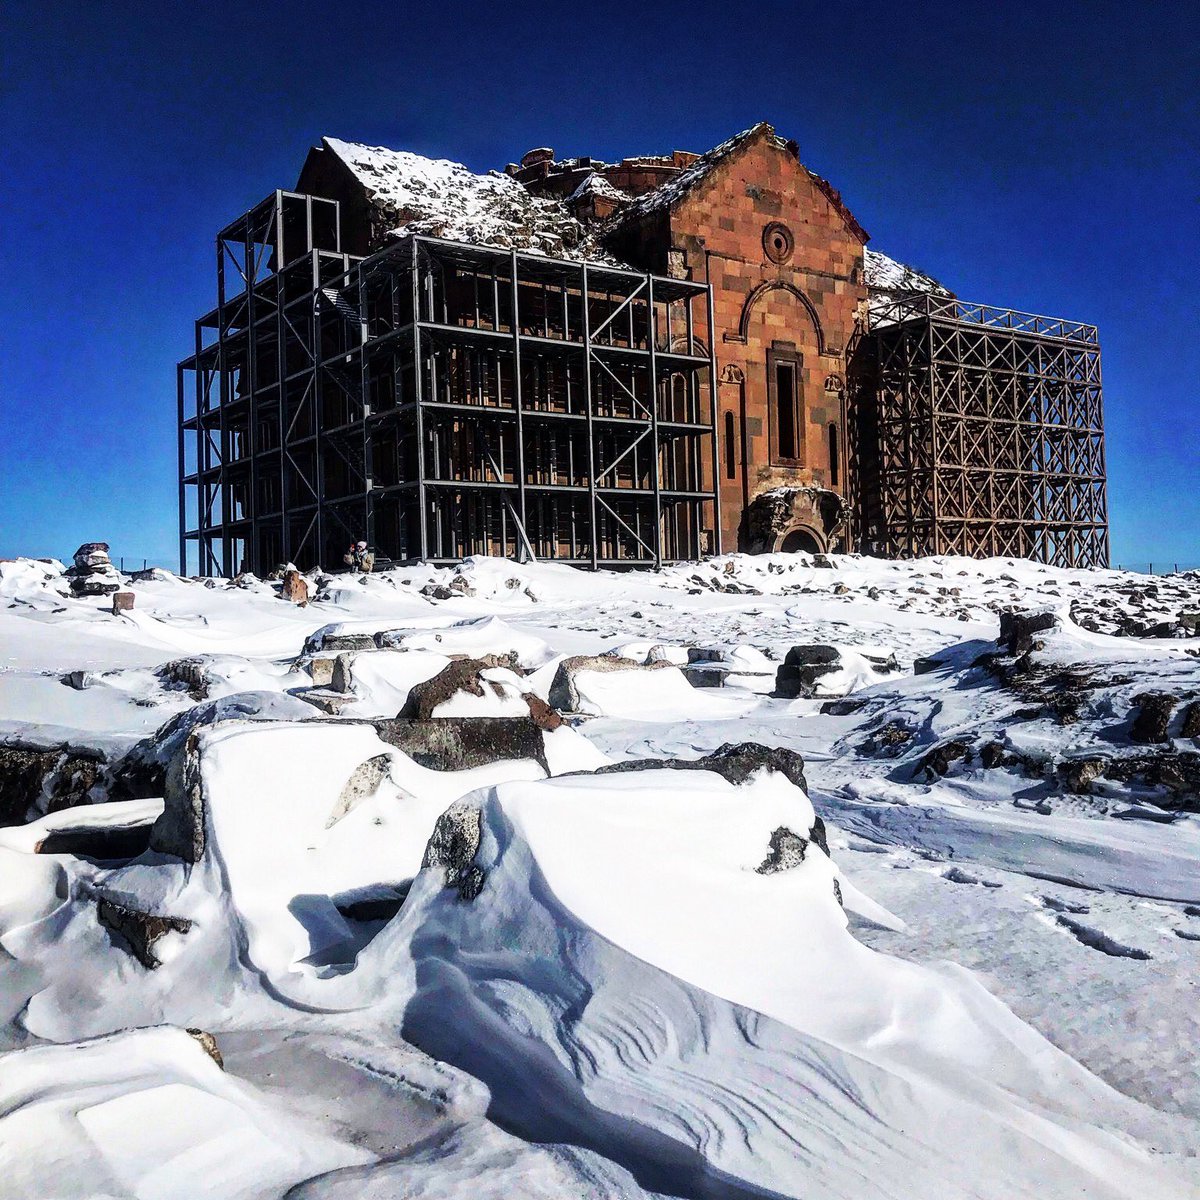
x,y
804,306
785,261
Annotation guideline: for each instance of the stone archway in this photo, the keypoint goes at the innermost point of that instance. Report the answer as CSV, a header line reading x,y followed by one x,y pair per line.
x,y
801,539
790,519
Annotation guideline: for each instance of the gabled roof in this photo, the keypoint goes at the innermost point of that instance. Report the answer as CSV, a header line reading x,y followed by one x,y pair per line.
x,y
413,194
669,194
883,274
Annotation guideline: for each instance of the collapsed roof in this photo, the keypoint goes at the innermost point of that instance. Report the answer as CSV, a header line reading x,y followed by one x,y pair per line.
x,y
669,193
412,194
884,274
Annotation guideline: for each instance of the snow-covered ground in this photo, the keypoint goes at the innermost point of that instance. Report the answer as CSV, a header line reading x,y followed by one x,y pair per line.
x,y
928,926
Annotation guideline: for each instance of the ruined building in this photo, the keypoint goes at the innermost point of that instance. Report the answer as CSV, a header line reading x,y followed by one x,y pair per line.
x,y
615,364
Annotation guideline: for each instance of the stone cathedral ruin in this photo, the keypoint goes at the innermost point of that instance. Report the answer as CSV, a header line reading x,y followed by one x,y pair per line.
x,y
612,365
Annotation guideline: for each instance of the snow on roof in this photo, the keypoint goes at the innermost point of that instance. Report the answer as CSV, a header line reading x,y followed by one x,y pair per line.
x,y
676,188
414,194
884,274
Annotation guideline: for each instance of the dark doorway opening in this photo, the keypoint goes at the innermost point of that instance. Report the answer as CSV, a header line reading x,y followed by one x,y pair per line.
x,y
801,541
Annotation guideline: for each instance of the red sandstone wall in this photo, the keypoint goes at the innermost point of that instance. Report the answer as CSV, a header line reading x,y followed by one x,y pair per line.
x,y
720,228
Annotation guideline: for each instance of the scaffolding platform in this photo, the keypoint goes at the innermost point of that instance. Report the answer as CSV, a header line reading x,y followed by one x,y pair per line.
x,y
979,431
439,400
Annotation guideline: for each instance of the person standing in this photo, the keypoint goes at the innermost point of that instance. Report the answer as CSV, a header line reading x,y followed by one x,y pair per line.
x,y
359,558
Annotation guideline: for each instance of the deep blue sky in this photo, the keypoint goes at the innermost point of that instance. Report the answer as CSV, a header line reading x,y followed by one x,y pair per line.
x,y
1039,156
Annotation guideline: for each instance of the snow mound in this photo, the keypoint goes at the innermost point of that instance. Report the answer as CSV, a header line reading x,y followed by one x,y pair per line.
x,y
136,1113
710,1025
475,637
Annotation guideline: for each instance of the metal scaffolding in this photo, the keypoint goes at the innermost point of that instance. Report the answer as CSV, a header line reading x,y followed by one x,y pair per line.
x,y
977,431
439,400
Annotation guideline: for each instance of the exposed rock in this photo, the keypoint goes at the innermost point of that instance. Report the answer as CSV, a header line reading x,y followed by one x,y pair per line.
x,y
208,1044
334,643
705,675
1152,717
818,837
341,677
1078,774
941,758
363,783
929,664
34,781
883,664
542,715
1191,721
93,573
1177,773
1017,629
138,931
92,556
787,851
94,585
326,700
179,831
458,587
453,846
321,670
563,693
460,675
1061,693
887,741
736,763
294,588
191,673
992,755
459,743
811,656
122,602
100,843
800,671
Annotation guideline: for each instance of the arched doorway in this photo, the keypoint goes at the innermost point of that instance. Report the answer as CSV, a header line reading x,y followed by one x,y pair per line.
x,y
800,541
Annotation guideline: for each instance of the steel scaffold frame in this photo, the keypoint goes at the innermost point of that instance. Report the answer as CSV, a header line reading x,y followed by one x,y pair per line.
x,y
978,431
440,400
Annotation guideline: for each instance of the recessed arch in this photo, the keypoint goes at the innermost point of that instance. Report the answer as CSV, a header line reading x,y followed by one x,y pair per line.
x,y
779,285
802,539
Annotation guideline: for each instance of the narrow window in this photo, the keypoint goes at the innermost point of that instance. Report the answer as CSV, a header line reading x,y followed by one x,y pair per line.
x,y
785,408
730,448
833,455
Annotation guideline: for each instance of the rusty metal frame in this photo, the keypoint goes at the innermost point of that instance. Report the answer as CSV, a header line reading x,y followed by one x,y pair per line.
x,y
441,399
979,431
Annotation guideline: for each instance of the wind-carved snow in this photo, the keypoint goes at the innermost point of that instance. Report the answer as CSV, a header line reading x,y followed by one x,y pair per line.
x,y
564,974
